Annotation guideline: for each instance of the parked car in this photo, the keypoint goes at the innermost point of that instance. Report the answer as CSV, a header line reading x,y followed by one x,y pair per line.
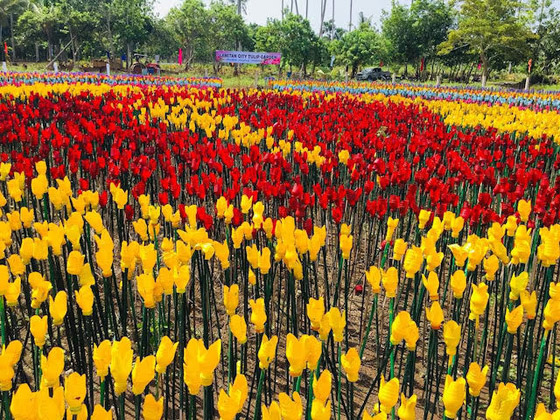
x,y
373,73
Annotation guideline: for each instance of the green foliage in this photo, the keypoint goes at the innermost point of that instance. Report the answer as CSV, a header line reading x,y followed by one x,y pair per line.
x,y
294,38
496,30
358,47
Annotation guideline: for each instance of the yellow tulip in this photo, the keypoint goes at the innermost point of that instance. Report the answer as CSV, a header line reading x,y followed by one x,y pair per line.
x,y
454,394
52,367
165,354
458,283
459,253
504,402
75,391
200,363
182,279
38,327
391,226
388,394
271,413
238,328
551,314
142,373
102,358
58,307
390,280
152,409
337,322
351,364
346,245
258,314
491,266
13,291
407,409
16,265
541,413
22,399
514,319
321,410
431,284
399,249
13,351
291,408
99,413
451,337
423,218
84,299
378,416
457,226
6,372
413,261
373,276
529,302
39,186
322,386
404,328
75,263
313,351
296,355
231,298
246,203
476,378
518,284
315,312
479,300
147,289
231,403
434,314
121,363
267,351
524,209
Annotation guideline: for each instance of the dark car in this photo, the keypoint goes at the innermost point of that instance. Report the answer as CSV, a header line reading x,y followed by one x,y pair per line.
x,y
373,73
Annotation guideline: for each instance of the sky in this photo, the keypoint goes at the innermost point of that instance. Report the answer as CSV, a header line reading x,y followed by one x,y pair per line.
x,y
259,10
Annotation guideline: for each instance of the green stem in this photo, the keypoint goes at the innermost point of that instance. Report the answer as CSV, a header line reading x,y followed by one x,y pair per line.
x,y
259,391
534,384
366,336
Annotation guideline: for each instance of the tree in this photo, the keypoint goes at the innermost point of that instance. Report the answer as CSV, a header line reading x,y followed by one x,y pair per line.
x,y
294,38
190,23
358,47
492,29
399,29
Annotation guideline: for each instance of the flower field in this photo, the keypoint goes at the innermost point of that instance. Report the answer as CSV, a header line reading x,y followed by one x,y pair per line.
x,y
171,249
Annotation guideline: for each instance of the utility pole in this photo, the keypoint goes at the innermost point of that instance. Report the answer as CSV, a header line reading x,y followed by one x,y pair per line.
x,y
350,24
306,8
333,25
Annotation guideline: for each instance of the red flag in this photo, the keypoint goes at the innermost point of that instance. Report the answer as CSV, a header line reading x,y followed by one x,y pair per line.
x,y
422,65
5,48
180,56
530,64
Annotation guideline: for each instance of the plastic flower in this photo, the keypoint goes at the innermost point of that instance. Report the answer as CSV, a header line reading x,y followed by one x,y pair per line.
x,y
423,218
337,322
434,314
165,354
38,327
529,302
322,386
476,378
6,372
291,408
152,409
52,367
200,363
99,413
399,249
407,409
75,391
84,299
391,226
404,328
231,298
390,280
351,364
296,354
121,363
413,261
479,300
346,245
267,351
58,307
238,328
388,394
518,284
142,373
315,312
514,319
458,283
258,314
451,337
491,266
271,413
504,402
231,403
373,277
102,358
454,394
431,284
524,209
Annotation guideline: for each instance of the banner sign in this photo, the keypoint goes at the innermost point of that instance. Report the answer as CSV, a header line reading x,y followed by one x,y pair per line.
x,y
245,57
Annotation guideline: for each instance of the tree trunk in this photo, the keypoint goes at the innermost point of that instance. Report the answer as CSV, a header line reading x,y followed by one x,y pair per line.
x,y
350,24
323,10
13,38
484,77
37,52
